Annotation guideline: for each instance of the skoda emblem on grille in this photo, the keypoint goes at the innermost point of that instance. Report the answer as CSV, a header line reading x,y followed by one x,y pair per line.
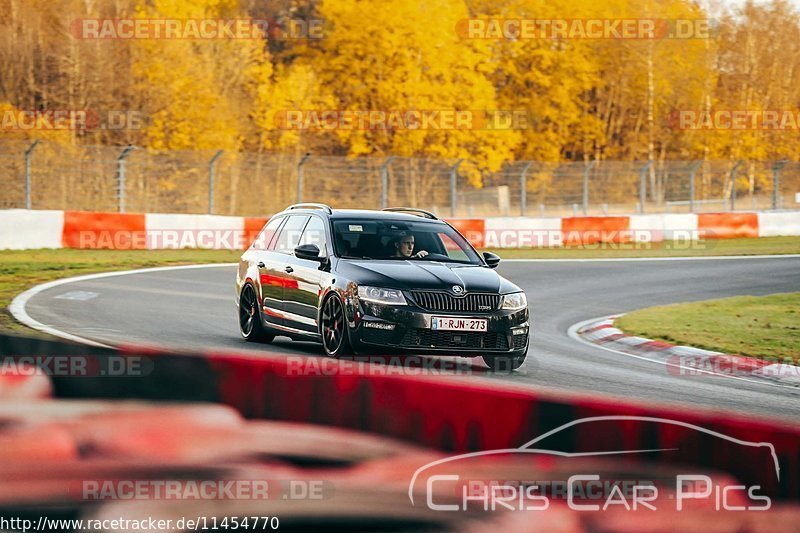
x,y
457,289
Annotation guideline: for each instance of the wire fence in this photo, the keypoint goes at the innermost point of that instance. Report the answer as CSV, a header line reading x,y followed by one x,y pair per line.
x,y
48,175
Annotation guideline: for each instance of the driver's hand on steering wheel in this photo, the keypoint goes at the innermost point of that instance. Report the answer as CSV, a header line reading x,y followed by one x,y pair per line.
x,y
420,254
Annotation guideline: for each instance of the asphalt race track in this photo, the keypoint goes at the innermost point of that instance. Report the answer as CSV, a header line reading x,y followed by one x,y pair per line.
x,y
193,308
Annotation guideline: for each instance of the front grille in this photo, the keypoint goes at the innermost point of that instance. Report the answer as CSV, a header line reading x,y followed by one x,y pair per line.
x,y
429,338
442,301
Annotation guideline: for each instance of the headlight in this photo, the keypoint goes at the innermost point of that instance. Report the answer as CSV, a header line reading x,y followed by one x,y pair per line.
x,y
514,301
381,296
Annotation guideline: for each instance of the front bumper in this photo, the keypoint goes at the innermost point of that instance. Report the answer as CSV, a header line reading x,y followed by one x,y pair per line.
x,y
507,331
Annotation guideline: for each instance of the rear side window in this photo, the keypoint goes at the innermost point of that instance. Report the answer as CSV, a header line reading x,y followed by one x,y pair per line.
x,y
267,235
290,233
356,238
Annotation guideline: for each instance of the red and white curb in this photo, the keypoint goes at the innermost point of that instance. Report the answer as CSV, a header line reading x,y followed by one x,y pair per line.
x,y
685,361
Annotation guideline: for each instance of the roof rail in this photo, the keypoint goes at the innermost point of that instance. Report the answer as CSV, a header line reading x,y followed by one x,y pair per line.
x,y
413,211
324,207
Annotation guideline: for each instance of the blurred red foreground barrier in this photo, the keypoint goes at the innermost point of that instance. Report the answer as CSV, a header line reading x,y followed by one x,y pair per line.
x,y
461,416
452,415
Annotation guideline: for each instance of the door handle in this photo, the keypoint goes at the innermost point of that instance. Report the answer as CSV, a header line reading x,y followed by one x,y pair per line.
x,y
289,269
261,264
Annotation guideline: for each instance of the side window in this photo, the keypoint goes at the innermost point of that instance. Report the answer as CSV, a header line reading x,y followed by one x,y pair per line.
x,y
267,234
315,234
452,249
290,234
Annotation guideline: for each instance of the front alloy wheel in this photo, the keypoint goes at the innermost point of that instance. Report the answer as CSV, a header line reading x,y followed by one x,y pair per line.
x,y
334,328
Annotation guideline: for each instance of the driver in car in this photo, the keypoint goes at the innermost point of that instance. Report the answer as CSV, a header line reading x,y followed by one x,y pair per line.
x,y
404,247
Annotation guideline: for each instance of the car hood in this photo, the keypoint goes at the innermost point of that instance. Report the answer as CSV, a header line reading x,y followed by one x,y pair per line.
x,y
413,274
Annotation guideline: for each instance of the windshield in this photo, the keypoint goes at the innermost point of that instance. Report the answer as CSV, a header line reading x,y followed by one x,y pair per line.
x,y
401,240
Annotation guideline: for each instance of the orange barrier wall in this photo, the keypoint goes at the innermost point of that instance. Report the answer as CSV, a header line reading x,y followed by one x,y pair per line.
x,y
592,230
83,229
117,231
728,225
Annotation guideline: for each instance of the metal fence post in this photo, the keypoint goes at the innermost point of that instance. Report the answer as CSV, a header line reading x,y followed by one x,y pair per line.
x,y
121,176
523,189
586,171
734,170
643,185
385,182
211,181
28,153
300,176
691,185
453,188
776,182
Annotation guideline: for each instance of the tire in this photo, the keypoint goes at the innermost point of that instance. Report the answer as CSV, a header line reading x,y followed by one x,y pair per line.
x,y
250,326
505,363
333,328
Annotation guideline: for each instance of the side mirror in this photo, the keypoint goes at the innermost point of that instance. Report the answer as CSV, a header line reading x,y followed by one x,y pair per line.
x,y
309,252
492,260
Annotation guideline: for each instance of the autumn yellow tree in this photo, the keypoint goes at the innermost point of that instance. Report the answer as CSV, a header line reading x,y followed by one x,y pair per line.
x,y
405,55
586,99
550,80
199,93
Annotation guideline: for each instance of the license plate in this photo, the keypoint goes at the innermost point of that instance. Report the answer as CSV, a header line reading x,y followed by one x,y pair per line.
x,y
449,323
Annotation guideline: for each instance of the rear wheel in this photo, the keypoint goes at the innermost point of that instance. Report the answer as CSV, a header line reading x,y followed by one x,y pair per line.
x,y
505,363
333,328
250,318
